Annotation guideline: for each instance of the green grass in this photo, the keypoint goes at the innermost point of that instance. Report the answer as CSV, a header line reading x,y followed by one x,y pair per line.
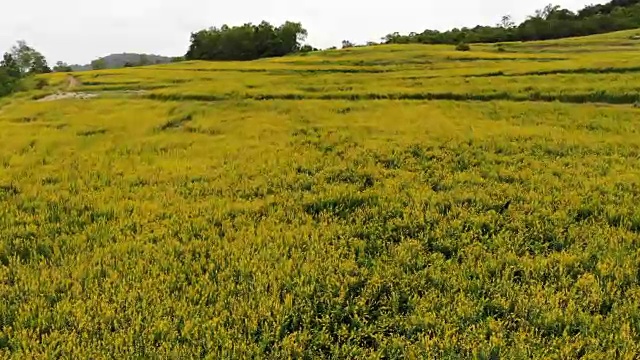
x,y
346,204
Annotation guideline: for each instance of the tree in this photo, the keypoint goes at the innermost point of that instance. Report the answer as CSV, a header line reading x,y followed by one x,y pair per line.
x,y
550,22
62,67
39,64
8,83
10,75
307,49
246,42
28,59
19,62
561,14
99,64
290,37
507,22
347,44
549,10
23,55
11,66
545,12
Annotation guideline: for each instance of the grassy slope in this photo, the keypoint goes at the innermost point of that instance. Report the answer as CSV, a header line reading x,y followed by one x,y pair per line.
x,y
323,223
581,70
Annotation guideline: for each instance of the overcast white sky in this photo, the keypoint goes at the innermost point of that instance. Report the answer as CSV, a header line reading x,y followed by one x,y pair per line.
x,y
78,31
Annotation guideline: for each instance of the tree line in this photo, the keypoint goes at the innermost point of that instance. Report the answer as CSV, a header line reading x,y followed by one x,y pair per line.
x,y
247,42
552,22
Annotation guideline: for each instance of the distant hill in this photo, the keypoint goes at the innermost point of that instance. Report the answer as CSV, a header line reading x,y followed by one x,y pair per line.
x,y
115,61
77,67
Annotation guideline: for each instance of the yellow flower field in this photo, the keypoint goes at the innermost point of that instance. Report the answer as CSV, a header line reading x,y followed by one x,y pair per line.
x,y
381,202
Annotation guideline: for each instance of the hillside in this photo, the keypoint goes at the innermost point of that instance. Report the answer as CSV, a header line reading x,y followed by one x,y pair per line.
x,y
396,201
115,61
599,68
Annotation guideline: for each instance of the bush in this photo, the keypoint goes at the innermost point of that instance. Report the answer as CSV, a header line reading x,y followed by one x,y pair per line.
x,y
463,47
307,49
41,84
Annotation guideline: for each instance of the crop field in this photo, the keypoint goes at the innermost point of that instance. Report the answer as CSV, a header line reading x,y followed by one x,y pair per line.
x,y
388,202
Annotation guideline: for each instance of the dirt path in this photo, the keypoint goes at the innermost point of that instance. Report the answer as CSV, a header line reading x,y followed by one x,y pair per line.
x,y
68,95
72,82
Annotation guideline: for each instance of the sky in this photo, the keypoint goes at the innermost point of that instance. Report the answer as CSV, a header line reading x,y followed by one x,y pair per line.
x,y
78,31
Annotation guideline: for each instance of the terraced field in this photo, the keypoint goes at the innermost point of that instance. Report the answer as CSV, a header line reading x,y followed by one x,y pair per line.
x,y
382,202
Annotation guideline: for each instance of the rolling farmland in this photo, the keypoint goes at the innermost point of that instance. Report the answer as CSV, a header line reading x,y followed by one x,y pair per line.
x,y
398,201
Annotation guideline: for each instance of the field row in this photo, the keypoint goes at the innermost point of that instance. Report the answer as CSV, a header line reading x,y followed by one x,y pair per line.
x,y
601,82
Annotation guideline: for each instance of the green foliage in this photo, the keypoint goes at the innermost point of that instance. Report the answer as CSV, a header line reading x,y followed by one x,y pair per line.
x,y
8,83
10,75
17,64
39,65
23,55
99,64
28,60
552,22
347,44
246,42
62,67
11,66
307,49
463,47
41,83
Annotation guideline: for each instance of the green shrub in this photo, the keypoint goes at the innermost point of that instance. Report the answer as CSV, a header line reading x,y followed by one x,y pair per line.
x,y
8,83
41,84
463,47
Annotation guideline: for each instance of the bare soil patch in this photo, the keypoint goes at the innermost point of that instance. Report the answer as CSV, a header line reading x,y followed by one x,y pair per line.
x,y
68,95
